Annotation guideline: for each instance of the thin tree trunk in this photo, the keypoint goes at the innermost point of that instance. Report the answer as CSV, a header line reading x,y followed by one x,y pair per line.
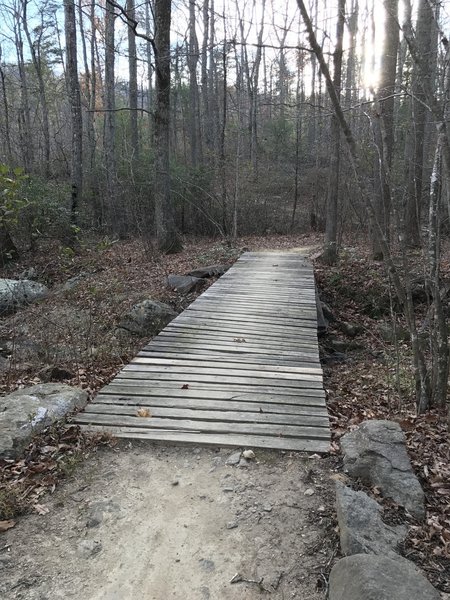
x,y
168,240
330,251
73,87
5,112
133,85
385,137
36,59
110,119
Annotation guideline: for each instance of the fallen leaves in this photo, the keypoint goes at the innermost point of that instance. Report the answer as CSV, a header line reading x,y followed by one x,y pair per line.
x,y
5,525
370,384
51,456
144,412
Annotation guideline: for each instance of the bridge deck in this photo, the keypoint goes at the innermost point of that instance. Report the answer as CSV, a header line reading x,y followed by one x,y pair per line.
x,y
239,367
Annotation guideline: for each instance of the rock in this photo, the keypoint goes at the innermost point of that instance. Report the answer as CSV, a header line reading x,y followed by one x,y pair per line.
x,y
248,454
244,463
361,528
376,452
28,411
72,283
309,492
372,577
328,313
55,373
335,357
349,329
15,293
389,334
184,284
210,271
232,525
147,318
233,459
89,548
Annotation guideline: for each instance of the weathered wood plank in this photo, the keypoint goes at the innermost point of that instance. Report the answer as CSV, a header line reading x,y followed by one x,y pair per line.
x,y
200,414
146,365
168,363
269,429
225,441
307,407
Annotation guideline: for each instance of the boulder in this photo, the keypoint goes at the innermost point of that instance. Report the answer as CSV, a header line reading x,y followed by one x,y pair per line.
x,y
210,271
390,335
184,284
147,318
372,577
26,412
361,528
349,329
15,293
376,452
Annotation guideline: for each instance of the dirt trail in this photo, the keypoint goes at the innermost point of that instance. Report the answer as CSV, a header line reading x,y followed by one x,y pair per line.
x,y
150,523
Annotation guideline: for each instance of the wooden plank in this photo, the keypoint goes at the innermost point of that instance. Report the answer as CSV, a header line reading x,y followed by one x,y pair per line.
x,y
268,429
259,339
186,378
131,387
146,365
226,441
243,357
275,368
223,416
170,401
220,386
235,388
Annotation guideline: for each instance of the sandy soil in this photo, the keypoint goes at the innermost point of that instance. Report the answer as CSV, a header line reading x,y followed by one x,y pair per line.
x,y
142,522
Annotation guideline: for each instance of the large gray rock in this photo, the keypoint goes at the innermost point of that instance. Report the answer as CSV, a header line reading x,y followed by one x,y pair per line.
x,y
376,452
28,411
15,293
361,528
148,317
209,271
184,284
372,577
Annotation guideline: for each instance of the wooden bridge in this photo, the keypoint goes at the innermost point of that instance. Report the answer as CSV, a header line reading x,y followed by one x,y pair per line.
x,y
239,367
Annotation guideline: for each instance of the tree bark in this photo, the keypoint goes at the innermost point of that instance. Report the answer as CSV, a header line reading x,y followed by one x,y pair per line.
x,y
330,251
133,89
73,88
168,240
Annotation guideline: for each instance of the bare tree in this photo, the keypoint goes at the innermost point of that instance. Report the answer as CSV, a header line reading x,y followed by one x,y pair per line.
x,y
168,240
73,88
330,252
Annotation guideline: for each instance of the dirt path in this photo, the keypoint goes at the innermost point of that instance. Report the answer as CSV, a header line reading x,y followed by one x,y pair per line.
x,y
150,523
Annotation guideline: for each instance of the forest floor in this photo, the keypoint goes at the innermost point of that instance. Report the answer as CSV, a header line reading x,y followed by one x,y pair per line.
x,y
111,516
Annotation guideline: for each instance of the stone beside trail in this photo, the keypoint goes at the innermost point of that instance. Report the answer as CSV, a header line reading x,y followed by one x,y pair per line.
x,y
28,411
16,293
370,577
148,317
184,284
209,271
376,452
361,528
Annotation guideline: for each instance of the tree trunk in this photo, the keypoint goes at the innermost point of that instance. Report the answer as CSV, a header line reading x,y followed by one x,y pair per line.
x,y
330,251
110,120
133,90
73,88
416,138
384,137
167,237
